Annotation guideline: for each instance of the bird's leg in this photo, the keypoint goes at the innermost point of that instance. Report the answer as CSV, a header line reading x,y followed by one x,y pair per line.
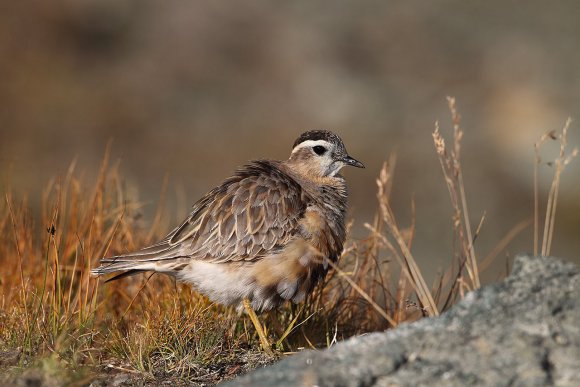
x,y
263,340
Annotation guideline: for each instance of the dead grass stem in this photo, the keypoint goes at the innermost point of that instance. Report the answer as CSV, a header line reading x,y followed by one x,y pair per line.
x,y
560,163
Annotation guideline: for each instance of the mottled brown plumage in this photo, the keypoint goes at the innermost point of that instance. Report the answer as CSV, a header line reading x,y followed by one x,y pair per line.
x,y
265,234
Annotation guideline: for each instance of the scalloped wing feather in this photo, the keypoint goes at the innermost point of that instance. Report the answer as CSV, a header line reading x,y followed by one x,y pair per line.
x,y
252,214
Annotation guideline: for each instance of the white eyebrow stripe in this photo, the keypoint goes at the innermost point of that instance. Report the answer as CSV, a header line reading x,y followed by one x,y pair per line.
x,y
312,143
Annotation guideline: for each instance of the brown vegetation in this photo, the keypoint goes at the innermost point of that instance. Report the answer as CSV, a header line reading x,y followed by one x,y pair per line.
x,y
57,317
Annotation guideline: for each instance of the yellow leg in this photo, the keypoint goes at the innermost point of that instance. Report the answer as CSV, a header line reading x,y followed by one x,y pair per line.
x,y
263,340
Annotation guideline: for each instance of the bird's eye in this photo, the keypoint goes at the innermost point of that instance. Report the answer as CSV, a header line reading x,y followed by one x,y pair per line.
x,y
319,150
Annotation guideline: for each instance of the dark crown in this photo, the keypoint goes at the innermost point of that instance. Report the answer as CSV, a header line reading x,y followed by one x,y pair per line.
x,y
315,135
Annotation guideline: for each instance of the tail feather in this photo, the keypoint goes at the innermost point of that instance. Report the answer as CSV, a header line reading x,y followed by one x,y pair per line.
x,y
159,258
149,254
108,267
125,274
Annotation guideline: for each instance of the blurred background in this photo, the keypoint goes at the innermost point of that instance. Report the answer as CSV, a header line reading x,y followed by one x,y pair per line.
x,y
192,89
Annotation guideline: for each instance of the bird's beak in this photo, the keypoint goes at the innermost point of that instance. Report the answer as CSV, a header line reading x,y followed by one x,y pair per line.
x,y
352,162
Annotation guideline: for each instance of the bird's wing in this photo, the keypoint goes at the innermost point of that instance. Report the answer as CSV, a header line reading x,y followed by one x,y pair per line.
x,y
253,213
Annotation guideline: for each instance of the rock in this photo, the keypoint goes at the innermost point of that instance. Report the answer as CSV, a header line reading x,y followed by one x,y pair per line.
x,y
121,379
524,331
10,358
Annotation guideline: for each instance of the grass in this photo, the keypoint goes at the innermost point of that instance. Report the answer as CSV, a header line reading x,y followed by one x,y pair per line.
x,y
64,326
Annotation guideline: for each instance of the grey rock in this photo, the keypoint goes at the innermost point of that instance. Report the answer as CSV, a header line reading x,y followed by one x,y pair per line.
x,y
524,331
121,379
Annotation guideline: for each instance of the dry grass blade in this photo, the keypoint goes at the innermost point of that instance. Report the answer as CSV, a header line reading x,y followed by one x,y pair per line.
x,y
451,165
23,287
407,261
363,294
538,160
502,244
560,163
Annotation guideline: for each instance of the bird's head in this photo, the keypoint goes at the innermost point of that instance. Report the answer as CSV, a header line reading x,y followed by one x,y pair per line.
x,y
321,153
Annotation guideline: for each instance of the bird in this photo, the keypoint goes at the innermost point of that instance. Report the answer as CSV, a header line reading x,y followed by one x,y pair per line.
x,y
262,237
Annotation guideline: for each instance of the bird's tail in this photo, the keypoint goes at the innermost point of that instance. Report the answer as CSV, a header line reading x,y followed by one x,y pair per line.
x,y
161,258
